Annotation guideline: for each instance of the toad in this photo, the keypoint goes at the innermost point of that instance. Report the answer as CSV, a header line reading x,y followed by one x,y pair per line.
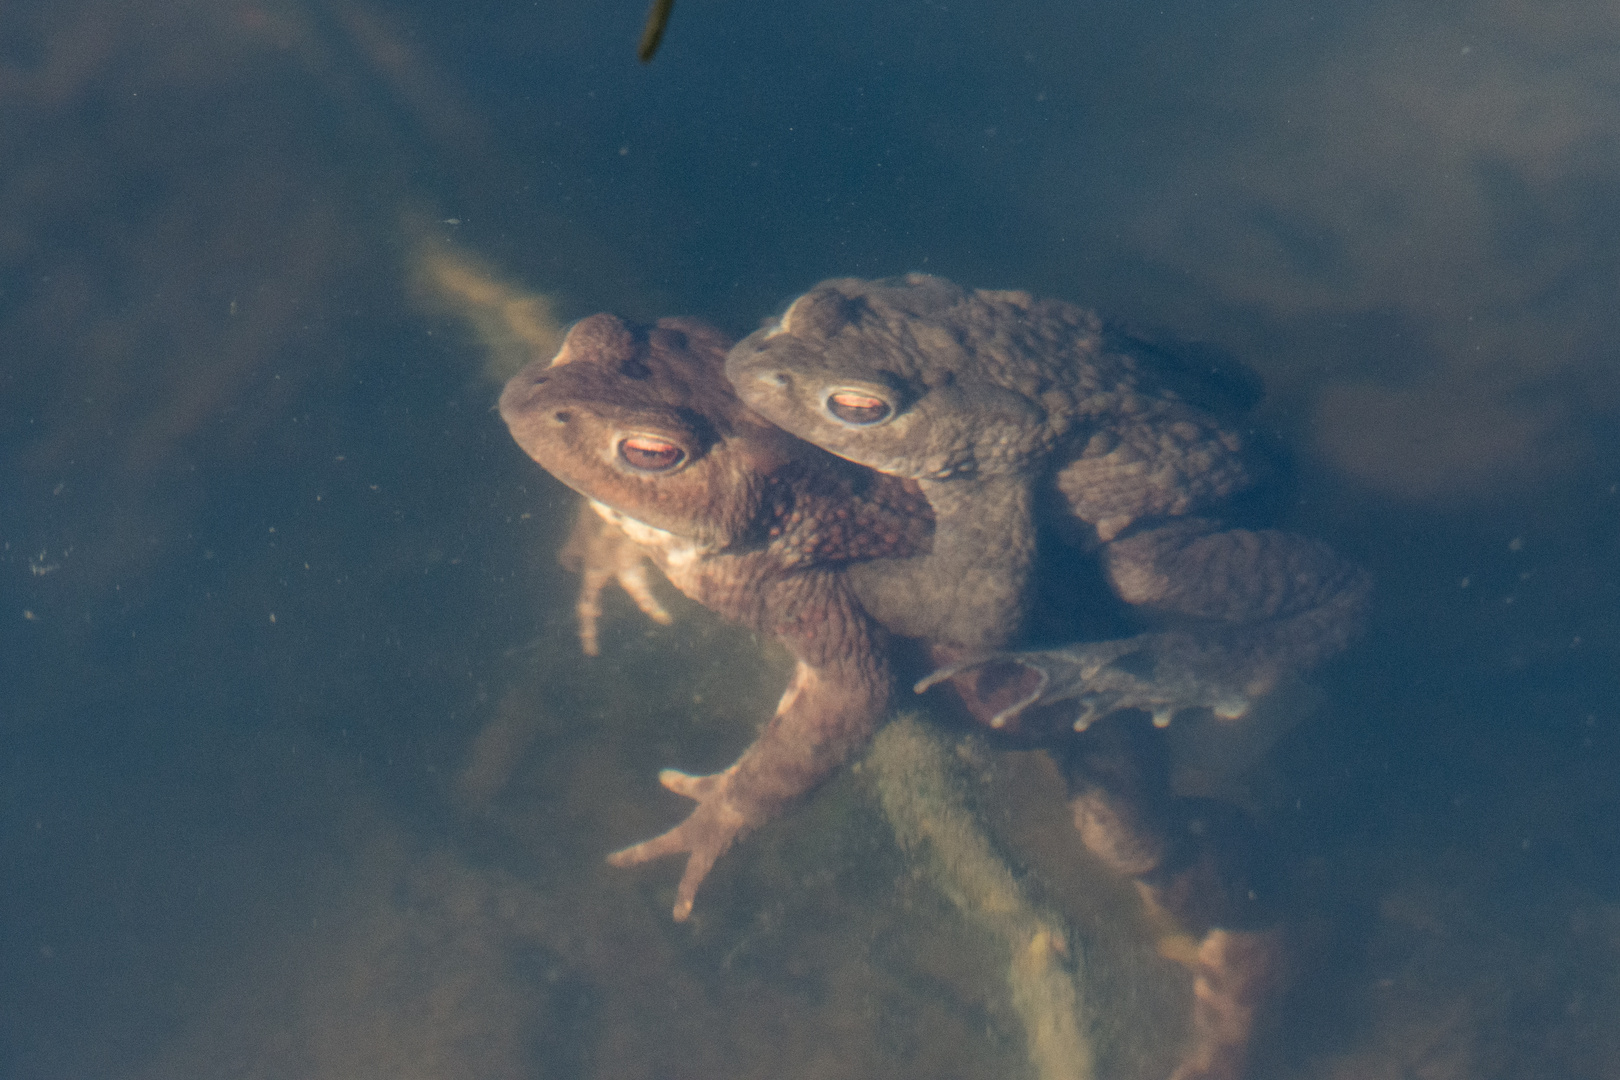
x,y
743,518
997,403
783,537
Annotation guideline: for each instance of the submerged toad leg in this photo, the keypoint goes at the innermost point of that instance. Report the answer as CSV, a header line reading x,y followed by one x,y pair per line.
x,y
1196,865
601,553
1236,975
838,696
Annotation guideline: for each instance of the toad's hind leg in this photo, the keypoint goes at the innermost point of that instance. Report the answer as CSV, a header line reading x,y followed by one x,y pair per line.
x,y
1195,863
1251,602
1239,610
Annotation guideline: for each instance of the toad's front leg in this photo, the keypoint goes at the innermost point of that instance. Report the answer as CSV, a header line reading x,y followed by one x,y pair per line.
x,y
601,553
838,696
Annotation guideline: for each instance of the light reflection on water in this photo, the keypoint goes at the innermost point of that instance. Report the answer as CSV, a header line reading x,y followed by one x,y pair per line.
x,y
303,773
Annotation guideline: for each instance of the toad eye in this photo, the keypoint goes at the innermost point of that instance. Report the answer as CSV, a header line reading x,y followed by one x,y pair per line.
x,y
858,407
644,453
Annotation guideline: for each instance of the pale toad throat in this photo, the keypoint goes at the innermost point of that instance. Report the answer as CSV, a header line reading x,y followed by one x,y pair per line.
x,y
678,551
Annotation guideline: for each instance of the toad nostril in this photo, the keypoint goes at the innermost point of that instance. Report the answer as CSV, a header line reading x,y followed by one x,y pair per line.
x,y
776,378
562,416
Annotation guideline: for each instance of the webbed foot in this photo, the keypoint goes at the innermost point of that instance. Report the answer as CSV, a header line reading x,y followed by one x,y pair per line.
x,y
705,834
1156,673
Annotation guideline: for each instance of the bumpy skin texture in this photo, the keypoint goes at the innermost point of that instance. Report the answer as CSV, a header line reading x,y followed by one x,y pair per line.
x,y
995,403
983,383
985,395
743,518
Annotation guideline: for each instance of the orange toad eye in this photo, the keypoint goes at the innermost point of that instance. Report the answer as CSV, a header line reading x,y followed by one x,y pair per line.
x,y
857,407
647,454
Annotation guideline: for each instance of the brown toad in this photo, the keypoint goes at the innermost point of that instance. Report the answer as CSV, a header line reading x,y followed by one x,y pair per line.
x,y
745,519
997,403
643,423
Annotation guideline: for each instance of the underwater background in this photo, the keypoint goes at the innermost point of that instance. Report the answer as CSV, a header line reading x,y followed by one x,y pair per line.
x,y
302,772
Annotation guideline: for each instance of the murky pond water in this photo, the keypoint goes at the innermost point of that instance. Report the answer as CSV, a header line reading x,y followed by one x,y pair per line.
x,y
302,772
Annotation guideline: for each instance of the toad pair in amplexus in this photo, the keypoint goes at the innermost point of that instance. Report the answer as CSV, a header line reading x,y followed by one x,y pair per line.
x,y
912,484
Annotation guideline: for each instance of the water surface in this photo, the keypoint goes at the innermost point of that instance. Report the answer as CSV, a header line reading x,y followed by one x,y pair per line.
x,y
301,772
